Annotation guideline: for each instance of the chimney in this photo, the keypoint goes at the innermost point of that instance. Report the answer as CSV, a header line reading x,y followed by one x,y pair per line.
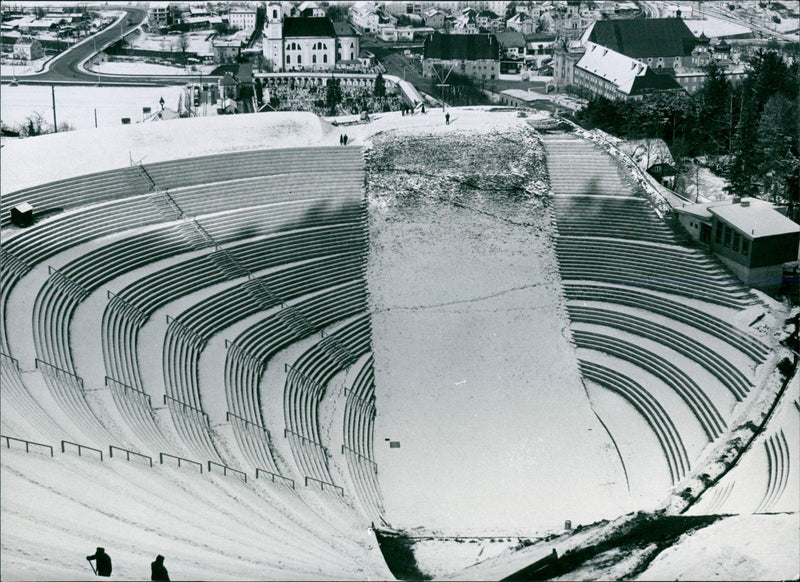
x,y
745,203
737,199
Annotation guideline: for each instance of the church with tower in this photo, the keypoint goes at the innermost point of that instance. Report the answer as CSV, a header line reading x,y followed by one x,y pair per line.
x,y
307,42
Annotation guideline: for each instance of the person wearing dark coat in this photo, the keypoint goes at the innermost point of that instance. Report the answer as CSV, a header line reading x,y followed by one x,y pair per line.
x,y
103,562
345,139
157,569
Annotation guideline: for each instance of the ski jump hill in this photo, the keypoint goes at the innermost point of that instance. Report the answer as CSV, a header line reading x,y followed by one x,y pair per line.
x,y
236,343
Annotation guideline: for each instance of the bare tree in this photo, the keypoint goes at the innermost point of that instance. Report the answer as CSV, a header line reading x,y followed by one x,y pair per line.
x,y
183,46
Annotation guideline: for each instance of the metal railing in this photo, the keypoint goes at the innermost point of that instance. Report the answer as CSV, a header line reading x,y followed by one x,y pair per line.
x,y
274,476
125,387
355,452
37,363
230,415
323,483
80,448
179,459
287,432
128,454
189,406
27,443
226,469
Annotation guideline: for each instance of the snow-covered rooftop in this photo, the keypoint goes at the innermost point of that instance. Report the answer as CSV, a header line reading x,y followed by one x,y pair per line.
x,y
754,217
611,66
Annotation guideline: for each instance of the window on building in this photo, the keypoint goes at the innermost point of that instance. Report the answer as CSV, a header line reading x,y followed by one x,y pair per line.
x,y
314,59
299,59
288,59
745,246
325,58
274,15
718,237
736,242
728,233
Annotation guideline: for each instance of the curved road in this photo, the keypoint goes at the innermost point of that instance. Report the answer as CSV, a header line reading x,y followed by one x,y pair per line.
x,y
67,69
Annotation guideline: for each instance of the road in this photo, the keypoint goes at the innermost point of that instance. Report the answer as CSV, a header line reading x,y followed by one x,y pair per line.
x,y
66,68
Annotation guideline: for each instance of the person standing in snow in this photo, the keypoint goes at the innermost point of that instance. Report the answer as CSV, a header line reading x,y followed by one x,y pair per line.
x,y
345,139
157,569
447,119
103,562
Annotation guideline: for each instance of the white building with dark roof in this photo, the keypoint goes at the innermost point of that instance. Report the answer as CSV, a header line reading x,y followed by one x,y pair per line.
x,y
242,18
751,236
603,72
300,43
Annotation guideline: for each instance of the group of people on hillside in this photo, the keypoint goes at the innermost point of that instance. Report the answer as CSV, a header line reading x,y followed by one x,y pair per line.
x,y
103,560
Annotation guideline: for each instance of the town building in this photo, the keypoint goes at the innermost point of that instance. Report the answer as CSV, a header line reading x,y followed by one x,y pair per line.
x,y
296,43
226,50
364,18
475,55
160,15
566,55
434,18
660,43
521,22
488,20
242,18
603,72
28,49
311,9
750,236
512,44
521,98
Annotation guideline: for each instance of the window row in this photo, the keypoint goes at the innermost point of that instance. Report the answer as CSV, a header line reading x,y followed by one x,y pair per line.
x,y
732,239
313,59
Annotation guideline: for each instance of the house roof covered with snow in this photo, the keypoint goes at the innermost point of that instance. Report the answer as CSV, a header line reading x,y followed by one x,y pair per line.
x,y
754,217
643,37
630,76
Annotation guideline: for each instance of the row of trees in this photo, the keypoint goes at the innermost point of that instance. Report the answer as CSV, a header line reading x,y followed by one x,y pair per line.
x,y
749,131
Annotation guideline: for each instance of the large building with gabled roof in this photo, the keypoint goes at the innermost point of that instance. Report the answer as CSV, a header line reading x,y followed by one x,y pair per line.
x,y
661,43
307,42
603,72
474,55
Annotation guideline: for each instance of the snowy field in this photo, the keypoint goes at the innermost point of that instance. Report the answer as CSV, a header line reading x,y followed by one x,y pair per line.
x,y
76,105
22,68
140,68
715,27
199,42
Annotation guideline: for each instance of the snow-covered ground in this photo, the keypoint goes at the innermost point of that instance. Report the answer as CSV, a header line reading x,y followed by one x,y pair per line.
x,y
715,27
12,67
77,105
141,68
746,547
95,150
199,42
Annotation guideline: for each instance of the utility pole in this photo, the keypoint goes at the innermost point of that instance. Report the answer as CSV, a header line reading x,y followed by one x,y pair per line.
x,y
53,93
